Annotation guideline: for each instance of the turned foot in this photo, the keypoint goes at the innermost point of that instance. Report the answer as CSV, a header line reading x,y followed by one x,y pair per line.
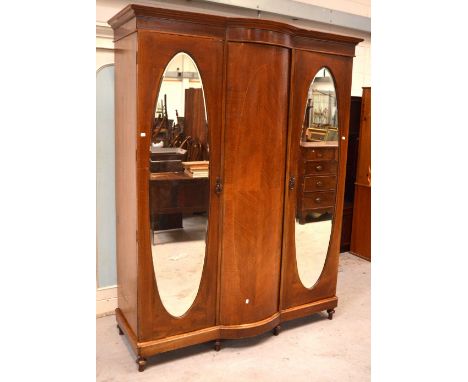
x,y
217,346
276,330
330,313
120,330
141,363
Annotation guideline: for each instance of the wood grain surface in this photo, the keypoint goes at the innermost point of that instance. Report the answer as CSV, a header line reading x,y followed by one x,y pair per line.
x,y
255,75
361,230
304,67
126,177
155,50
254,165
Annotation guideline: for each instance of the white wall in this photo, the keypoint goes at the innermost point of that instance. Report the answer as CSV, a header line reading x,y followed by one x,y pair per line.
x,y
356,7
175,91
362,67
105,160
174,88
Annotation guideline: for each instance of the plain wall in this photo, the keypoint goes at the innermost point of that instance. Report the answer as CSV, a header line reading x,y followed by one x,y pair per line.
x,y
105,177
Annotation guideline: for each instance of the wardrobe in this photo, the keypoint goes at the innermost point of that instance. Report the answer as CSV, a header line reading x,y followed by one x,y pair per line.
x,y
361,231
211,244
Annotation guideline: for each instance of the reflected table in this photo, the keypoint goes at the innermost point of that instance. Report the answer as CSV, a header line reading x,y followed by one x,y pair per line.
x,y
174,194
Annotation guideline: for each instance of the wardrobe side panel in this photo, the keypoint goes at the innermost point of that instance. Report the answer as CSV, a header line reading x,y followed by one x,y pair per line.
x,y
254,169
125,176
361,231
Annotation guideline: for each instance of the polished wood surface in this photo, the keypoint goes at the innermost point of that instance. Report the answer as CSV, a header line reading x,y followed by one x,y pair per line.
x,y
155,50
364,155
148,348
254,163
319,183
318,162
315,152
180,194
139,17
346,226
126,178
320,167
361,231
304,67
194,118
312,200
255,76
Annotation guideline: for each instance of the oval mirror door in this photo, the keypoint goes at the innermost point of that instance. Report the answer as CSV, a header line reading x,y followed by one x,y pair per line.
x,y
318,174
178,185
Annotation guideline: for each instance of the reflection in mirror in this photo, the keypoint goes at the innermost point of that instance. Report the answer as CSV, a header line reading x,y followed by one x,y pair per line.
x,y
317,171
178,184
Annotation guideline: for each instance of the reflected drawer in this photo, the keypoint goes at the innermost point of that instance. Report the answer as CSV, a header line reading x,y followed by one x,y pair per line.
x,y
319,183
319,153
320,167
318,199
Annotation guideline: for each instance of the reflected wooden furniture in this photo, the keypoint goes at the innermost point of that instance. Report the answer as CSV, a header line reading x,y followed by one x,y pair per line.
x,y
361,231
252,70
317,179
173,194
194,118
351,164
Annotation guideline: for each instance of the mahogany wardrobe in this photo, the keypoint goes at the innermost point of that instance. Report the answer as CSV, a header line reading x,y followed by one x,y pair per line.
x,y
231,142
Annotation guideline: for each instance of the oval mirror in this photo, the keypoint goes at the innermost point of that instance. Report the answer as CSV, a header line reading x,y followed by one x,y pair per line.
x,y
318,160
178,184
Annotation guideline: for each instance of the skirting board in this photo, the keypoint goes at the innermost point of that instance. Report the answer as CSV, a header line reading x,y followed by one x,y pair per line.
x,y
106,301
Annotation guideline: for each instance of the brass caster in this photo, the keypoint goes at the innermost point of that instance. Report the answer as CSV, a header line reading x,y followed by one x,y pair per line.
x,y
330,313
120,330
141,363
276,330
217,346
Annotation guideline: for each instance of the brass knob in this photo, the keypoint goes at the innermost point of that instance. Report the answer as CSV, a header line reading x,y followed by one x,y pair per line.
x,y
318,200
319,183
319,167
292,182
219,186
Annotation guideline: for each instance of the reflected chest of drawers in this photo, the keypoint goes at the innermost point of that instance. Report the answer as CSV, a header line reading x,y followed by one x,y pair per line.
x,y
317,179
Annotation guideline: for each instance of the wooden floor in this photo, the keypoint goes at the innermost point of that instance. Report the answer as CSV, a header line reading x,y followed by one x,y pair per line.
x,y
310,349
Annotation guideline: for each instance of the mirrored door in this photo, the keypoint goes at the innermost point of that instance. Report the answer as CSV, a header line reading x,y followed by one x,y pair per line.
x,y
180,86
179,184
315,209
321,88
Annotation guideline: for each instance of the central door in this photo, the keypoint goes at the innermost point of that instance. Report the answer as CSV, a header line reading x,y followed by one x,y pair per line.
x,y
254,171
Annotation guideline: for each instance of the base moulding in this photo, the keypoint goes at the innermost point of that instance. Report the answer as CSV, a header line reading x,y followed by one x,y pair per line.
x,y
145,349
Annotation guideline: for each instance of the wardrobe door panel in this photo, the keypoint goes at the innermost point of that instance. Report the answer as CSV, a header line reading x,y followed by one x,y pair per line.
x,y
318,229
254,168
179,186
176,200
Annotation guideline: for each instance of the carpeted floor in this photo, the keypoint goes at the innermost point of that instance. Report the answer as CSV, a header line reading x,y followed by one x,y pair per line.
x,y
312,349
